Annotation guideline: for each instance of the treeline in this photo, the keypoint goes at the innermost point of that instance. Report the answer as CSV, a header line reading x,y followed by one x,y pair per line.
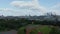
x,y
45,22
8,24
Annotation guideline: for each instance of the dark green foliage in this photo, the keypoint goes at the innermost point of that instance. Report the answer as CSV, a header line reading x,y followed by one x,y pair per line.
x,y
9,24
21,30
54,31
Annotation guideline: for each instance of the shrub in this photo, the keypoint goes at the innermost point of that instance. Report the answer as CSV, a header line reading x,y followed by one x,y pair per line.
x,y
21,30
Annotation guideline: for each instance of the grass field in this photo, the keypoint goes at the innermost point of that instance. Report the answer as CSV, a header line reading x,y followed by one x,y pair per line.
x,y
45,29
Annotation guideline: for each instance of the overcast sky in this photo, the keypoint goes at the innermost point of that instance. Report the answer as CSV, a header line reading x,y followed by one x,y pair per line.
x,y
26,7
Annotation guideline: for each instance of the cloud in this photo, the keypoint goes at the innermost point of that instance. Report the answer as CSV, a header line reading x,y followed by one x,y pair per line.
x,y
55,9
10,12
5,9
29,4
55,6
15,12
32,5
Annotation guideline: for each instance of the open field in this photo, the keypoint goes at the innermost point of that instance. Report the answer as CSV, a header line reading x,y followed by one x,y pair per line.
x,y
34,29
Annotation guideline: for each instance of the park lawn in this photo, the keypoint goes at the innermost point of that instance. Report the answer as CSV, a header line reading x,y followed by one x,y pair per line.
x,y
43,29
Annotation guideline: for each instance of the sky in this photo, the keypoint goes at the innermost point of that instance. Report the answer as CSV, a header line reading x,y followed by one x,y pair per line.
x,y
29,7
